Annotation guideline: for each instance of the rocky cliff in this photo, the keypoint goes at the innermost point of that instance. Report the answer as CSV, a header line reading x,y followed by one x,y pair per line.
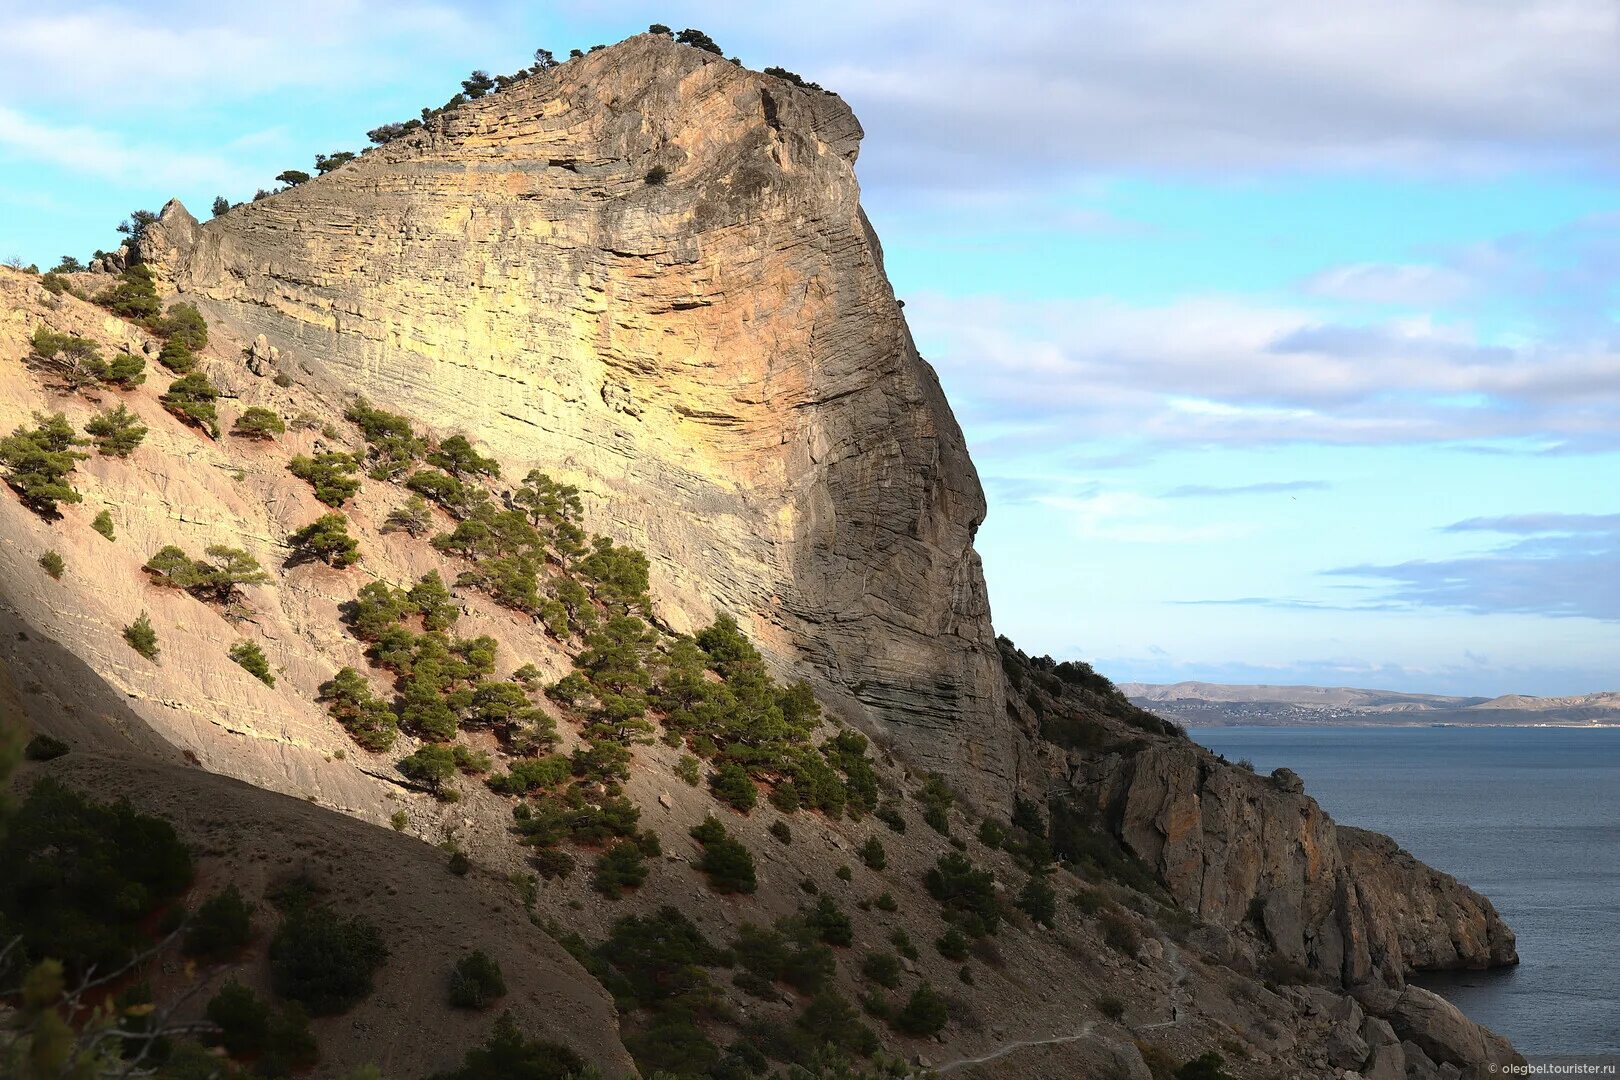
x,y
648,270
1236,849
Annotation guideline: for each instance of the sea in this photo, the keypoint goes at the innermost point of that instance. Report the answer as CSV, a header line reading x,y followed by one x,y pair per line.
x,y
1528,816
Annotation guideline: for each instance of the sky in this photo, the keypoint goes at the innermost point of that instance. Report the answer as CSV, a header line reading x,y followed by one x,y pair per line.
x,y
1283,332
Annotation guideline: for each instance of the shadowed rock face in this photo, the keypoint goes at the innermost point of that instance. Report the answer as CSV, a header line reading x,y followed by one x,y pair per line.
x,y
648,272
1236,848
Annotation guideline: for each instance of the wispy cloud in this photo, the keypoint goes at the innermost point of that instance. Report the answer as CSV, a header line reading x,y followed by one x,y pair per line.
x,y
1563,565
1265,487
111,156
1231,372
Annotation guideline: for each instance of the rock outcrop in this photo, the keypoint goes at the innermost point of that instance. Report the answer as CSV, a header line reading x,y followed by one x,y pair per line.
x,y
648,271
1238,849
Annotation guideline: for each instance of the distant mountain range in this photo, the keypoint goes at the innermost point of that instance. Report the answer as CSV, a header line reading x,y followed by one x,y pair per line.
x,y
1219,704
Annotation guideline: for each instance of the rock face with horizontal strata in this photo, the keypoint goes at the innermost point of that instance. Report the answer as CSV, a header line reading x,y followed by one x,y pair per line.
x,y
647,271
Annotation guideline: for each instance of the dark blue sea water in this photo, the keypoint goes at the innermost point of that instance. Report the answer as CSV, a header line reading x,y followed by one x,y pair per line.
x,y
1528,816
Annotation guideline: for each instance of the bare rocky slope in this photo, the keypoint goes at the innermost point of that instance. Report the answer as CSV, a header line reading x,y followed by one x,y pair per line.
x,y
717,360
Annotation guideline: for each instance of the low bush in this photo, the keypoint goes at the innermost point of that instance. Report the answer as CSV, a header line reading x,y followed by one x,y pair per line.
x,y
258,423
191,399
728,865
221,927
103,524
82,878
872,854
509,1056
476,981
51,562
43,747
967,894
323,960
334,476
251,659
115,432
142,638
925,1013
882,968
620,867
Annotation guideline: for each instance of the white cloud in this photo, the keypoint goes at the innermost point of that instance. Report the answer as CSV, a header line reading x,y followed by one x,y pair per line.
x,y
1222,371
1415,285
1128,517
111,156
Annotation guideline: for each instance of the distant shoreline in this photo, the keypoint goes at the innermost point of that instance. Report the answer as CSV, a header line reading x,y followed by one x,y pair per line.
x,y
1200,704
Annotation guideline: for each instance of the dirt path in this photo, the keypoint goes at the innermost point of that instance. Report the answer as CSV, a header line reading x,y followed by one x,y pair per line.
x,y
1178,990
1012,1047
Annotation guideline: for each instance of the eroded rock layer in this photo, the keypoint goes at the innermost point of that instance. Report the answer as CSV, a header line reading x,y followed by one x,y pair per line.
x,y
648,272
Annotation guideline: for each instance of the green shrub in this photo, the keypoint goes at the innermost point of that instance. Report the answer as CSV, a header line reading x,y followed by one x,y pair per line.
x,y
115,432
785,796
133,296
882,968
889,814
191,399
103,524
39,460
43,747
218,580
829,1020
780,830
509,1056
177,357
829,922
689,769
333,475
323,961
82,878
51,562
459,865
327,540
531,774
251,658
872,854
731,785
886,902
936,799
1111,1007
620,867
185,324
727,863
1038,900
844,873
243,1019
142,638
991,834
476,981
369,721
413,518
967,894
430,766
221,927
1088,900
457,457
924,1014
259,423
952,944
392,444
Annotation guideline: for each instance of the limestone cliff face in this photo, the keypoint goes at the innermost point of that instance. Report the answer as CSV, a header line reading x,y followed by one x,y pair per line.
x,y
1241,850
648,272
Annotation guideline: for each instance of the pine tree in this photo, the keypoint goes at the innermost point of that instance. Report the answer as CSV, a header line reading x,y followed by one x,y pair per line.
x,y
116,432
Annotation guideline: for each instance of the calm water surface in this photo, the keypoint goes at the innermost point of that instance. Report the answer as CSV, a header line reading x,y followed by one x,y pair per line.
x,y
1528,816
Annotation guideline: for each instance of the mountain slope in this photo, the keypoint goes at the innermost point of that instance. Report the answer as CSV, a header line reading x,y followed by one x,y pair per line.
x,y
717,360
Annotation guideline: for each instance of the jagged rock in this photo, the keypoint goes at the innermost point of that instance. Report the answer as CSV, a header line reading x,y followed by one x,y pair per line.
x,y
1235,848
1287,780
1346,1049
1346,1010
1386,1061
747,407
1151,950
1378,1032
262,356
664,800
1443,1033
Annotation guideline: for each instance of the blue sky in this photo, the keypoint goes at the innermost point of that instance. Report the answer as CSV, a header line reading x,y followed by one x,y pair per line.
x,y
1283,332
